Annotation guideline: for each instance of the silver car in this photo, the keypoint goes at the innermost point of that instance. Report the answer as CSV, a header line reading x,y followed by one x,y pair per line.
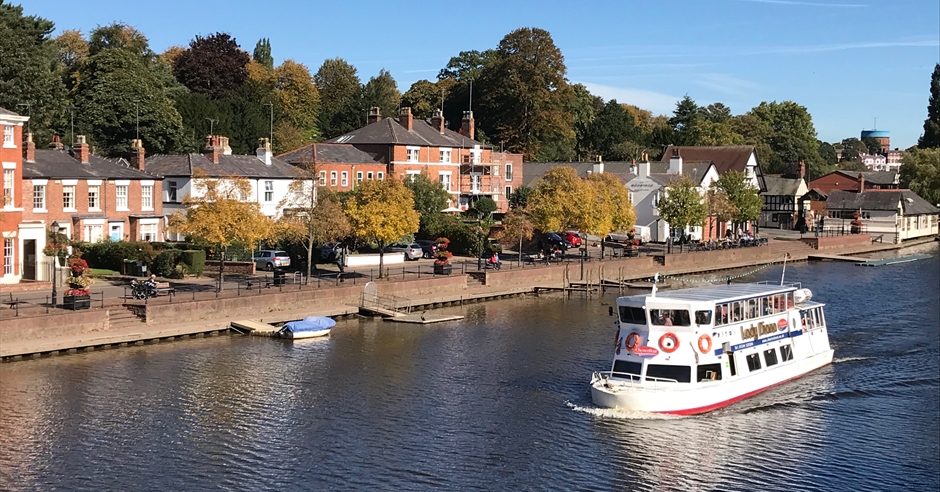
x,y
269,259
412,251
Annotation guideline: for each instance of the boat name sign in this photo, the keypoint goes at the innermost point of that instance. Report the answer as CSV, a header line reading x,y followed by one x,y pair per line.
x,y
755,331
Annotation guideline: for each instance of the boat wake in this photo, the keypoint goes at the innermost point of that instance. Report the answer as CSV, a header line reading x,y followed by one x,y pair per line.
x,y
616,413
848,359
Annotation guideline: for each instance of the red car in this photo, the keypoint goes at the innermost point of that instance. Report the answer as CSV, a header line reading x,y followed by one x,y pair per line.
x,y
573,238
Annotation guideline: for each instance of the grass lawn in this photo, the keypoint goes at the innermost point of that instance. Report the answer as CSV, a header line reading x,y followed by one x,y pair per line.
x,y
97,272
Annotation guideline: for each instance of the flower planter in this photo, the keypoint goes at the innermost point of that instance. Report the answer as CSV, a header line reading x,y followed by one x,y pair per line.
x,y
443,269
76,302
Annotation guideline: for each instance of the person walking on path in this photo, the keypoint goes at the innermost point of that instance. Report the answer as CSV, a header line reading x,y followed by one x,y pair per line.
x,y
339,260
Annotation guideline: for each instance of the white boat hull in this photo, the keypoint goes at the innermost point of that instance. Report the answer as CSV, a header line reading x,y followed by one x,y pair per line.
x,y
681,399
305,334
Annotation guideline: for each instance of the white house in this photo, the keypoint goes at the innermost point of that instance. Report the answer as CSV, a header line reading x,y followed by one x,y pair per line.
x,y
270,178
896,215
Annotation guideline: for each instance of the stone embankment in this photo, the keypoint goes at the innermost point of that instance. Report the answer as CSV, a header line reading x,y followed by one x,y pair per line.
x,y
155,321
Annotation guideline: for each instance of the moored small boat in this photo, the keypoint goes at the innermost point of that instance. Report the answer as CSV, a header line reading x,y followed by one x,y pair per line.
x,y
309,327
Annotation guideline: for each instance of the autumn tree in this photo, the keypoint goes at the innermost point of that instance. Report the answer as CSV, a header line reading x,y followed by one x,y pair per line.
x,y
423,97
517,227
381,91
719,207
340,98
312,216
430,199
682,204
298,101
71,47
742,194
561,200
524,95
921,173
382,212
931,137
612,210
217,215
213,65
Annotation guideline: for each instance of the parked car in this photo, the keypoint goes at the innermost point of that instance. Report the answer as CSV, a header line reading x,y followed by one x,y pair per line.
x,y
269,259
493,246
328,251
557,241
574,238
428,247
412,251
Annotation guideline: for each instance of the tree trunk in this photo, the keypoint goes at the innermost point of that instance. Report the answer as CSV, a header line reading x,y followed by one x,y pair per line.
x,y
381,258
222,270
309,246
520,250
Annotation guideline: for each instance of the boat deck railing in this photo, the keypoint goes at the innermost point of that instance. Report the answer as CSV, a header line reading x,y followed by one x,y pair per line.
x,y
636,379
798,285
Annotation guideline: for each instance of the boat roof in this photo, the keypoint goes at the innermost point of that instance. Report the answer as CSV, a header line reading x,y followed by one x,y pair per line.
x,y
721,293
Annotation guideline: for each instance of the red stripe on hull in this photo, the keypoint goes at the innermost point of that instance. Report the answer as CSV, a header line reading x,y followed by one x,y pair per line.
x,y
716,406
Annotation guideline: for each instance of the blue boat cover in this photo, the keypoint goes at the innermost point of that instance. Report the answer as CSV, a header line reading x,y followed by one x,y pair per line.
x,y
310,323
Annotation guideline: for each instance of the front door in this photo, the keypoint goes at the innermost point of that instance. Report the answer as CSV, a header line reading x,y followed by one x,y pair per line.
x,y
30,259
117,232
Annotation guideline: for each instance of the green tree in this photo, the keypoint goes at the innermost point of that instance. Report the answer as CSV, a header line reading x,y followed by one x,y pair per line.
x,y
262,53
340,98
792,138
524,94
720,207
298,100
685,120
423,97
382,212
28,72
214,66
110,83
716,113
220,218
381,91
484,207
852,148
120,36
717,134
430,199
931,137
742,194
583,107
682,205
827,153
921,173
519,198
561,200
612,126
455,80
852,165
873,145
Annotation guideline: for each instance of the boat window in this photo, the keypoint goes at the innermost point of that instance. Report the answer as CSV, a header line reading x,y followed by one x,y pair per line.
x,y
786,353
708,372
753,362
682,374
752,309
736,311
670,317
765,306
770,357
703,317
627,369
725,316
633,315
816,317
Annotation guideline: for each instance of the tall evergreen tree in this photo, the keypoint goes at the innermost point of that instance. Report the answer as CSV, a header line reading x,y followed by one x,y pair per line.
x,y
262,53
684,121
931,136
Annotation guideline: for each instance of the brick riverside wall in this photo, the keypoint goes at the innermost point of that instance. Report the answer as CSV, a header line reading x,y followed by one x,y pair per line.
x,y
554,276
838,242
685,260
241,267
53,326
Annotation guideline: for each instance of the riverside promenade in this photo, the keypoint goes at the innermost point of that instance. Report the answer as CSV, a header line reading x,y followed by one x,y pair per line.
x,y
122,322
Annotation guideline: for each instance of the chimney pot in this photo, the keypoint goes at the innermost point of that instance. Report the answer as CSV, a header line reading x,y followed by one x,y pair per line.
x,y
405,118
467,125
56,143
137,154
29,149
437,120
81,151
375,114
213,150
264,151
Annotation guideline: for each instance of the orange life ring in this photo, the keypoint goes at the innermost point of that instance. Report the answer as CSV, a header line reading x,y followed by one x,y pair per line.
x,y
708,343
631,341
675,342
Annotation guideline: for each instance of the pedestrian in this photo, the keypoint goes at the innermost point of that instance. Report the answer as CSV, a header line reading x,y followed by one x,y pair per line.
x,y
339,259
495,261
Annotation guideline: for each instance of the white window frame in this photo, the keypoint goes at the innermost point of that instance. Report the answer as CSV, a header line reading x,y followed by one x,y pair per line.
x,y
344,179
90,235
358,178
508,172
120,197
380,176
410,174
94,190
322,178
68,197
369,175
269,191
449,183
446,155
508,191
333,178
145,229
9,184
412,154
146,196
172,192
8,255
39,196
9,137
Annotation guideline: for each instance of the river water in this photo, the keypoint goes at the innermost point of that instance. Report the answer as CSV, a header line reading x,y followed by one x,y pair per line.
x,y
497,401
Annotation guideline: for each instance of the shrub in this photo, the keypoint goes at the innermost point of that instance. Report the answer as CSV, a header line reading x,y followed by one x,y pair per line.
x,y
194,260
111,254
164,264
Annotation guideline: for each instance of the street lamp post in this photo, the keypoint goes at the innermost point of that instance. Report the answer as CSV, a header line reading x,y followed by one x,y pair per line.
x,y
56,230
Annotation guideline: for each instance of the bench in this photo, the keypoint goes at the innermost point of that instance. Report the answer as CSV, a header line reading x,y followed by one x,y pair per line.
x,y
163,288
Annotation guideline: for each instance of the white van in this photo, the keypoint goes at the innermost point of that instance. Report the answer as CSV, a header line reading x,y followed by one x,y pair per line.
x,y
639,232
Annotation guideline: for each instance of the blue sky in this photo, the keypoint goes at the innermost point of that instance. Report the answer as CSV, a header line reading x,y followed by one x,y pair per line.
x,y
847,61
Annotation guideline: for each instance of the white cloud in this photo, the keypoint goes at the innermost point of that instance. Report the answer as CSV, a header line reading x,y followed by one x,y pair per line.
x,y
656,102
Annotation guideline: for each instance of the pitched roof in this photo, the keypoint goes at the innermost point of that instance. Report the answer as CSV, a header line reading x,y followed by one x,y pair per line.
x,y
7,112
726,158
329,153
247,166
911,202
777,185
535,170
873,177
390,131
59,164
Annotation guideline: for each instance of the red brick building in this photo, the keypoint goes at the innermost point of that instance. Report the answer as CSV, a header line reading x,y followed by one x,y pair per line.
x,y
11,200
855,181
405,146
90,197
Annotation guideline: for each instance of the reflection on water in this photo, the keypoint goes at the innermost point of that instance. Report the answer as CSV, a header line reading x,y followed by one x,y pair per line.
x,y
499,400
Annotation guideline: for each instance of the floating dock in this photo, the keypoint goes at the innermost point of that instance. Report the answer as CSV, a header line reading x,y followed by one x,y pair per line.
x,y
825,256
423,318
255,328
892,261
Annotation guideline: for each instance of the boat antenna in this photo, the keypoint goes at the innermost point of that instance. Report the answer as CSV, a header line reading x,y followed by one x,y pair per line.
x,y
655,281
784,273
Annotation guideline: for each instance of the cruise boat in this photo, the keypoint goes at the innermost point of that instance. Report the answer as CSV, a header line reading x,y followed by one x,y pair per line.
x,y
691,351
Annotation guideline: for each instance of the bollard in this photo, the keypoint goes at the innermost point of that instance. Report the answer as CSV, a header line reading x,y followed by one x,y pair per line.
x,y
238,288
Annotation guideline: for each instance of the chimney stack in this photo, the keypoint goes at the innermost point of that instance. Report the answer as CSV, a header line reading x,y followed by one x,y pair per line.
x,y
861,182
643,168
56,143
375,114
223,142
264,151
802,170
466,127
598,167
137,154
437,120
81,151
213,150
405,118
633,167
29,149
675,162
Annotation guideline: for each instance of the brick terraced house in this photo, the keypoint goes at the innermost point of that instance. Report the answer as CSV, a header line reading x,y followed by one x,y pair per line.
x,y
11,196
